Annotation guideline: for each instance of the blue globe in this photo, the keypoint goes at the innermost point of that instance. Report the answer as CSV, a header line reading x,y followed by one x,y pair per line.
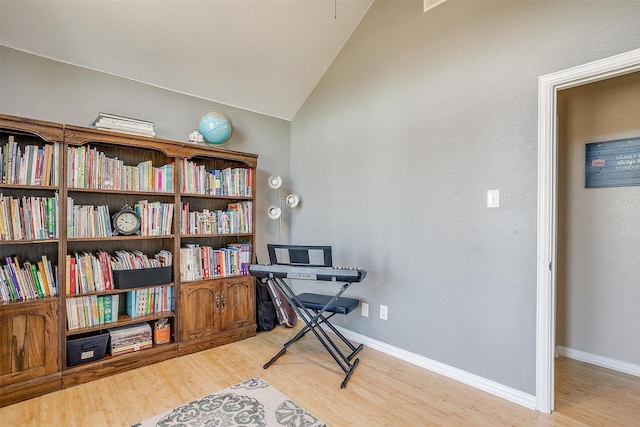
x,y
215,127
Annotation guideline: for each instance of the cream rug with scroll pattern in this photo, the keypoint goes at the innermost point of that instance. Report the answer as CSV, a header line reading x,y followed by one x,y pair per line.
x,y
251,403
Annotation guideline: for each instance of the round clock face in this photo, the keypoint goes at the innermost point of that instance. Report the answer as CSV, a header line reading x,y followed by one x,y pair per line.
x,y
126,222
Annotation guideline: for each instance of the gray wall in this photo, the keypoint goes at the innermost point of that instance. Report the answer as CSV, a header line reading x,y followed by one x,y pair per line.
x,y
598,228
394,151
38,88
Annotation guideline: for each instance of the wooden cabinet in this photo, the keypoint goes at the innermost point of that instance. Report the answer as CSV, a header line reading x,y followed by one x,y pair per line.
x,y
215,312
212,295
237,309
29,357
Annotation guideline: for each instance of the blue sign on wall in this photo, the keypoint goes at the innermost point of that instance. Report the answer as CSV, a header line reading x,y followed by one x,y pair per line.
x,y
613,163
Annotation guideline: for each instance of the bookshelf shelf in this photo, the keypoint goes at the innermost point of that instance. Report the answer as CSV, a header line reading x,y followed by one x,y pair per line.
x,y
213,196
217,235
118,238
28,241
130,170
27,303
123,320
121,192
29,187
117,291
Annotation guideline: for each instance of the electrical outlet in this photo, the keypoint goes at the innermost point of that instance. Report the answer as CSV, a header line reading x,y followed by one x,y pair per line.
x,y
384,311
365,309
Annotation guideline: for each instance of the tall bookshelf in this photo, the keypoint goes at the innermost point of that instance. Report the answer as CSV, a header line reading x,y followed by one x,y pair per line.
x,y
212,306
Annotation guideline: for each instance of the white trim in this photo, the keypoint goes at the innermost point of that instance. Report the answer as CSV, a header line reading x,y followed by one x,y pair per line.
x,y
605,362
508,393
548,86
430,4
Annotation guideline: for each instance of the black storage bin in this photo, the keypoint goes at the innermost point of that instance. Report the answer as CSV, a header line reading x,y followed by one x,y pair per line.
x,y
128,279
86,349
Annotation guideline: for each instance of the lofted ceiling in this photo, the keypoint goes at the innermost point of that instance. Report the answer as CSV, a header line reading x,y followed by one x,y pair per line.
x,y
260,55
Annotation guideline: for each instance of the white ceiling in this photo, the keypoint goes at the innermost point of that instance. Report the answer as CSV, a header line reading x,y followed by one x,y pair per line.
x,y
260,55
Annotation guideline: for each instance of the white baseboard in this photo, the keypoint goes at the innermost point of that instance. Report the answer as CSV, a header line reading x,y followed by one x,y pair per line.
x,y
594,359
508,393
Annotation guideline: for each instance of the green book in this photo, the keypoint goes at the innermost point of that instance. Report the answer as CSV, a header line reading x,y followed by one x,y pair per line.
x,y
101,310
50,217
36,281
106,303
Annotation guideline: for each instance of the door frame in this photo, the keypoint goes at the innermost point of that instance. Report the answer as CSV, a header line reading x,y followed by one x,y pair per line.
x,y
548,87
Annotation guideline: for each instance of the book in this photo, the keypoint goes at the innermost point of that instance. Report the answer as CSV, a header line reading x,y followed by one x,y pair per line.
x,y
131,304
115,123
15,295
116,118
115,307
106,304
71,314
36,279
101,311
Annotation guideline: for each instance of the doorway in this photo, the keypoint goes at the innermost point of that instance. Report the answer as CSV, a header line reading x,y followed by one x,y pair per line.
x,y
548,88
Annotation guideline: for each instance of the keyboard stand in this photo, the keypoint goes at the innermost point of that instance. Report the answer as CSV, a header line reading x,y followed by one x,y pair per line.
x,y
311,308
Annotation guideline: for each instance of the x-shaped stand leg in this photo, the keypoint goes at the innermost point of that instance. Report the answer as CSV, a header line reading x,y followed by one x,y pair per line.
x,y
313,321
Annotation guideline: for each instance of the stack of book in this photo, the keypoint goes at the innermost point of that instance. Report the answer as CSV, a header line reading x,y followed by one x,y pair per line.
x,y
122,124
127,339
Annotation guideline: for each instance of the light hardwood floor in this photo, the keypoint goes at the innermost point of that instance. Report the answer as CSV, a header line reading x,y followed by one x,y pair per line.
x,y
383,391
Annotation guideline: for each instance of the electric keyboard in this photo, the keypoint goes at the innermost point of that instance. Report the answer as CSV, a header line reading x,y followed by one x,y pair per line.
x,y
305,272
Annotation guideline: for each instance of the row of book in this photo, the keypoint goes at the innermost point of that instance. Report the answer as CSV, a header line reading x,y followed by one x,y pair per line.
x,y
143,302
116,123
89,272
29,164
28,218
235,219
156,219
87,311
88,220
136,260
31,280
92,310
90,168
204,262
195,179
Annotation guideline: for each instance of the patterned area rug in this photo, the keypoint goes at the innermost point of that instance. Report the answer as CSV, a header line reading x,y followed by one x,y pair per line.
x,y
250,403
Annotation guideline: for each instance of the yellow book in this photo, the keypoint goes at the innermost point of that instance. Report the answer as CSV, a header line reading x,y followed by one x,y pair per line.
x,y
67,276
44,282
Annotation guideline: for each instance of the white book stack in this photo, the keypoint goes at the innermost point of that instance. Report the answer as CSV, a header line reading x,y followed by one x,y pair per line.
x,y
122,124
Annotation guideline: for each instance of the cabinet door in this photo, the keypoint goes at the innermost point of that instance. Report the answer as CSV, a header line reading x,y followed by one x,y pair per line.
x,y
199,309
28,341
238,302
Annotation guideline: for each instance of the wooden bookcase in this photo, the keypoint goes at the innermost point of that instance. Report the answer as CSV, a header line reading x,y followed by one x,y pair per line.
x,y
206,312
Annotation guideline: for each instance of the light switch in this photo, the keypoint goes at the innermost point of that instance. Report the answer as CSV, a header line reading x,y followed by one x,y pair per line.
x,y
493,198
